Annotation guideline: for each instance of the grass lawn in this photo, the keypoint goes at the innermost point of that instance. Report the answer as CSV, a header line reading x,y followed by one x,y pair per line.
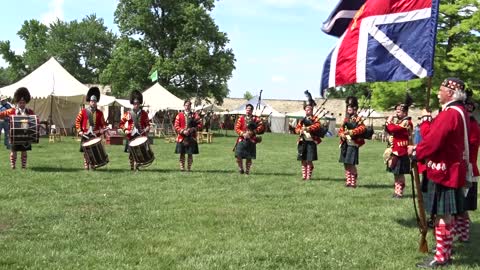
x,y
55,215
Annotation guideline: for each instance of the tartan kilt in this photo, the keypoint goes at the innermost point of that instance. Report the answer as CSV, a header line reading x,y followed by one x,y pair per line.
x,y
190,149
441,200
349,154
401,167
21,147
307,150
246,150
471,199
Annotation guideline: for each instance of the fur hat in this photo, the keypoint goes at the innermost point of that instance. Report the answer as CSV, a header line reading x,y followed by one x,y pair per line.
x,y
93,94
136,96
310,101
352,101
407,103
21,93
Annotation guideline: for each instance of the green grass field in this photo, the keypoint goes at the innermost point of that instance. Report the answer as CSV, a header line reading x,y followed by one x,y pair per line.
x,y
55,215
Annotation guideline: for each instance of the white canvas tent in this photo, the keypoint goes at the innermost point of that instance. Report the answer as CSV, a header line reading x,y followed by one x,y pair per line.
x,y
277,119
156,98
370,113
56,94
300,114
107,101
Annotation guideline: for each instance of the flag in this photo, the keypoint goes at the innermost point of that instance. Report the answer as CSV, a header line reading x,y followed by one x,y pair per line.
x,y
154,76
386,41
341,16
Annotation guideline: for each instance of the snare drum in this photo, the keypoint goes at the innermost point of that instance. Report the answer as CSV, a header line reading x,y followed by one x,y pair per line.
x,y
95,152
24,129
141,151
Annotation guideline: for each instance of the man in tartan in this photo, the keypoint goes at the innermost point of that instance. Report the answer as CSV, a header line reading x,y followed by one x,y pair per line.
x,y
443,151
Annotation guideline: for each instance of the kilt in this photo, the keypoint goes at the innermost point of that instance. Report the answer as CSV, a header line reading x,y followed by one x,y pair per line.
x,y
348,154
402,166
441,200
307,150
246,150
21,147
471,199
190,149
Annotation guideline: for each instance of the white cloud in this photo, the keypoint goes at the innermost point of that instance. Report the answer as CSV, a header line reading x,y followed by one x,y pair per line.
x,y
55,12
278,79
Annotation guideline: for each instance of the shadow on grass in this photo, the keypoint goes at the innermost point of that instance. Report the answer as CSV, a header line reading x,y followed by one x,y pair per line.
x,y
55,169
330,179
466,254
378,186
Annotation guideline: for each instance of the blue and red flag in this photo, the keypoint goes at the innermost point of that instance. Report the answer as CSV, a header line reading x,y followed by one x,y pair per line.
x,y
341,16
385,41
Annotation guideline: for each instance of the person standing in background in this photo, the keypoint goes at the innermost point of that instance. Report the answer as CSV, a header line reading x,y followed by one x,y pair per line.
x,y
5,122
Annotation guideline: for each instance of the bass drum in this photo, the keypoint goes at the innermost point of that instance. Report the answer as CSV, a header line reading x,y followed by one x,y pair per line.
x,y
141,151
95,152
24,129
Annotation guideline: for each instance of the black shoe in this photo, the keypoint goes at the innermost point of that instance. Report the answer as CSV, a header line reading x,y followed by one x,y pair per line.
x,y
241,171
432,263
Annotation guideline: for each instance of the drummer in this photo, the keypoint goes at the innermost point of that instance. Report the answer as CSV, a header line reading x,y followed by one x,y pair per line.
x,y
90,122
134,123
21,98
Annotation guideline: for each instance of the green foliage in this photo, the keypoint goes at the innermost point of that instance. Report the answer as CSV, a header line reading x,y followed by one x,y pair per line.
x,y
248,95
55,215
129,68
83,48
191,54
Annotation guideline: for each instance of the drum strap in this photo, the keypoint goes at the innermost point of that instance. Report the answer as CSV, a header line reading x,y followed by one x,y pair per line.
x,y
136,119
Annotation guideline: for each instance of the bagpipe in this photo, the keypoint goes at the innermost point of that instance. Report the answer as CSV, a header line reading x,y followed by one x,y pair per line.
x,y
319,113
369,130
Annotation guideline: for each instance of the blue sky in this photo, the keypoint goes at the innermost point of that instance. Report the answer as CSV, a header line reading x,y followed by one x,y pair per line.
x,y
278,44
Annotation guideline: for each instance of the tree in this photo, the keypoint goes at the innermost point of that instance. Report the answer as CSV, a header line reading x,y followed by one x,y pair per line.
x,y
190,51
247,95
83,48
129,67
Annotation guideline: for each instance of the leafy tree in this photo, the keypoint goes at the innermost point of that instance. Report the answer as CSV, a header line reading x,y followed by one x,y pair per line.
x,y
83,48
247,95
190,51
129,67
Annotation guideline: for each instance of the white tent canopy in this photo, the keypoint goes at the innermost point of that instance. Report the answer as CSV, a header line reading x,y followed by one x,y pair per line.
x,y
370,113
208,108
157,98
277,119
55,93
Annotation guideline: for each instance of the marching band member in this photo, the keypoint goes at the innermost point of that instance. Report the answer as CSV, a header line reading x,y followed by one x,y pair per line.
x,y
187,123
443,150
351,140
247,128
90,122
308,129
400,132
134,123
21,97
462,220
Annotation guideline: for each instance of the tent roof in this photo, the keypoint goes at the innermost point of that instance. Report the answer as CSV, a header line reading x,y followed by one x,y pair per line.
x,y
254,101
158,98
370,113
111,101
209,107
48,79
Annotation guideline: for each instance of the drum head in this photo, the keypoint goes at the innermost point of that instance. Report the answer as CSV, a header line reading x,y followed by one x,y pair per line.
x,y
138,141
92,141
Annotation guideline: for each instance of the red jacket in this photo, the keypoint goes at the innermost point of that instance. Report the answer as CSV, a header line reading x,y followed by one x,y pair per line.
x,y
82,123
181,125
312,129
355,133
401,132
242,126
127,123
442,147
473,144
13,111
